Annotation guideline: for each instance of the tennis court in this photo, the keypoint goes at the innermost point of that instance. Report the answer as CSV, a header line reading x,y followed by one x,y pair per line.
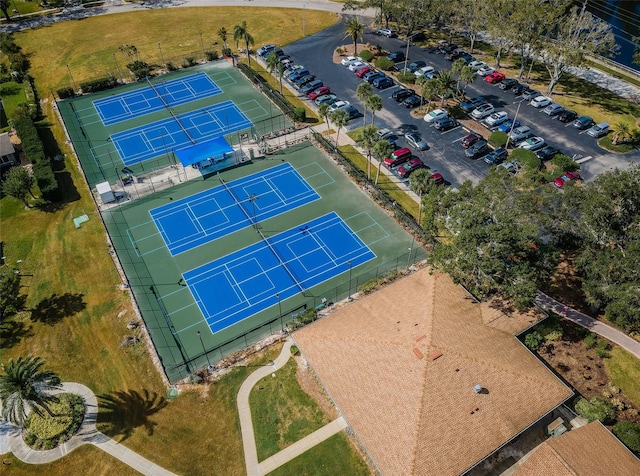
x,y
252,279
152,98
208,215
150,140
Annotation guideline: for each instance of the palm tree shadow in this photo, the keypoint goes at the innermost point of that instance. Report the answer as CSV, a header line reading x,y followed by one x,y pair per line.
x,y
123,412
56,307
12,332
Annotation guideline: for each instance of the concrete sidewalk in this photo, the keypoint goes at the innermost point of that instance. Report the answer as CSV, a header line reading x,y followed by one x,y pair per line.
x,y
627,343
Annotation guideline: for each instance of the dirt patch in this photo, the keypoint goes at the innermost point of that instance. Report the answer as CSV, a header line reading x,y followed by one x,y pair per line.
x,y
347,50
309,383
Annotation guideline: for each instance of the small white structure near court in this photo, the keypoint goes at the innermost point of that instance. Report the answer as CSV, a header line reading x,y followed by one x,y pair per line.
x,y
105,192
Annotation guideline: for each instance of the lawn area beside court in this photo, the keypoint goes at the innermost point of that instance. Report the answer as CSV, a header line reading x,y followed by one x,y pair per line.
x,y
624,371
90,46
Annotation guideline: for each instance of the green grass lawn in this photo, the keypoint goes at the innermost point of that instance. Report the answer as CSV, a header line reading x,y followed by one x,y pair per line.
x,y
624,370
12,94
333,456
282,412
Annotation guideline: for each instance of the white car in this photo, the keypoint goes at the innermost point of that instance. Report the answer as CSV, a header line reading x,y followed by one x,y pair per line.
x,y
513,167
533,143
520,133
384,133
553,109
485,70
339,105
476,65
482,111
348,60
496,118
423,71
357,64
435,114
389,33
540,102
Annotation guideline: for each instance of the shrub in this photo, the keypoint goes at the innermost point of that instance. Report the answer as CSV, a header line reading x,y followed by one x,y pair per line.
x,y
384,63
533,340
46,179
566,163
294,350
19,62
299,114
188,61
456,112
140,69
340,51
99,84
590,340
26,130
366,55
45,432
526,158
307,317
211,55
64,93
498,139
171,67
629,434
602,348
598,408
407,77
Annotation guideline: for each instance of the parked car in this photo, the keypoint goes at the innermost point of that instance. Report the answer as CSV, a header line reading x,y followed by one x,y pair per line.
x,y
547,152
467,58
298,74
413,101
357,64
553,109
583,122
470,104
325,99
477,150
264,50
485,70
423,70
444,48
519,89
414,164
311,86
520,133
528,94
348,60
454,54
416,65
339,105
371,76
509,124
352,111
362,70
437,178
291,69
476,65
416,141
302,80
388,32
496,157
398,157
513,166
567,116
532,143
470,139
401,94
496,118
383,83
599,130
445,123
540,101
396,56
321,91
482,111
494,77
435,114
567,177
508,83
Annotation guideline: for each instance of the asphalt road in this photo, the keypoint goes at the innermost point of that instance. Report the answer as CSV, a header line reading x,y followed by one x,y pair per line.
x,y
445,154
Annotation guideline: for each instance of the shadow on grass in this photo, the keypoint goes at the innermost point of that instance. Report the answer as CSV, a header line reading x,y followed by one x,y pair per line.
x,y
123,412
12,332
56,307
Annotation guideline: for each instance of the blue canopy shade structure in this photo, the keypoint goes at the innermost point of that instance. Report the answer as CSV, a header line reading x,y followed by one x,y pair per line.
x,y
203,151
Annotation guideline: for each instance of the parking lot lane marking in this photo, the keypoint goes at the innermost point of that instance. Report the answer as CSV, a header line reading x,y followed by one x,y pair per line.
x,y
457,140
452,129
584,159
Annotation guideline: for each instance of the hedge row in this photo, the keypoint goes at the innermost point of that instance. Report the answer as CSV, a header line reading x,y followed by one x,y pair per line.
x,y
99,84
31,144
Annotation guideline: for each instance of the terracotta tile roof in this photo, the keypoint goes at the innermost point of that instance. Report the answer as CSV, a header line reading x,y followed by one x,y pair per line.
x,y
587,451
415,411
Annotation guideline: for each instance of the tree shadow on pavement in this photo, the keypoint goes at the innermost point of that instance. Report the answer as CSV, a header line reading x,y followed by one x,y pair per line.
x,y
124,411
56,307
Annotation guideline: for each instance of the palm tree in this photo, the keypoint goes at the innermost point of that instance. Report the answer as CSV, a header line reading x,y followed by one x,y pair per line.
x,y
367,138
340,119
622,131
24,386
467,76
429,90
240,33
223,34
445,83
363,91
354,29
323,110
374,103
381,149
274,64
456,67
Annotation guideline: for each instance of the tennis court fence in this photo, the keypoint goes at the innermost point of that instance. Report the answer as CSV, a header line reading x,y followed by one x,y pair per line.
x,y
273,94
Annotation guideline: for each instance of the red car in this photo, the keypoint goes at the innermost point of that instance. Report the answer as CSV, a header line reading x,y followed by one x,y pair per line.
x,y
321,91
569,176
437,178
360,72
494,77
414,164
470,139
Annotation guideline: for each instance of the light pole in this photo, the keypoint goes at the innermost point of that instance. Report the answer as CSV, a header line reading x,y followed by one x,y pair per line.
x,y
409,257
513,125
204,350
72,80
350,269
280,311
304,14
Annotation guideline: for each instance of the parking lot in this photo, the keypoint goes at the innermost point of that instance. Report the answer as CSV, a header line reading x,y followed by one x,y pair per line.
x,y
445,154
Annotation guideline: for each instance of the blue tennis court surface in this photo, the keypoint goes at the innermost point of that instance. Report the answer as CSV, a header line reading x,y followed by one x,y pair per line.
x,y
206,216
157,138
246,282
154,98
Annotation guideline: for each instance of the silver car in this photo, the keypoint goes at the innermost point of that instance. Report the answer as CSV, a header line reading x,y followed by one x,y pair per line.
x,y
415,141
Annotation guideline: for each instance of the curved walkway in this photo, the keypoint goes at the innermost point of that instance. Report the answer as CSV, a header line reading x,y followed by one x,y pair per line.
x,y
588,322
88,434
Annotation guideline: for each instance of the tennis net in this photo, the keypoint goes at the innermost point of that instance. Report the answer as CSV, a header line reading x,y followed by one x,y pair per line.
x,y
228,189
282,263
168,108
